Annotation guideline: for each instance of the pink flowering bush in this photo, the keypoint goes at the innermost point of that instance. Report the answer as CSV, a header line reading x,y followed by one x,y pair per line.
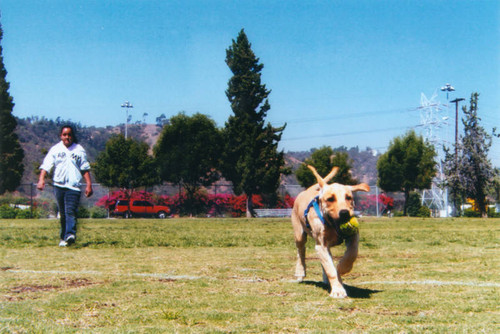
x,y
212,205
286,202
369,204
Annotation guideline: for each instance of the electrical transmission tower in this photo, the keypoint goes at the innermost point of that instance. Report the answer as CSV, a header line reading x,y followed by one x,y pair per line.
x,y
433,120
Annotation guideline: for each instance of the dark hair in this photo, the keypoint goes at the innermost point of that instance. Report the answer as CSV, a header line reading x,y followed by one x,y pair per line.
x,y
73,132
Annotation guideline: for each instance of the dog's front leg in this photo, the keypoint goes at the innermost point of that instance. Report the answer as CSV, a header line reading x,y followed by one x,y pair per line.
x,y
351,253
325,257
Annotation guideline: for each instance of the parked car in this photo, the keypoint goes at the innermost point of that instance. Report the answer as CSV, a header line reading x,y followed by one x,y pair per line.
x,y
140,208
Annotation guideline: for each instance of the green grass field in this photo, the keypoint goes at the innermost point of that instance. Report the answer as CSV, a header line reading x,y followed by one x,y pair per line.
x,y
236,275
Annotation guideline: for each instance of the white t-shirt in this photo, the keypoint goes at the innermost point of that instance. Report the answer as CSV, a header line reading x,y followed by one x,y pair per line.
x,y
69,163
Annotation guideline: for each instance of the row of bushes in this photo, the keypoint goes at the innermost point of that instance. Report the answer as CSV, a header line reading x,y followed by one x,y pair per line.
x,y
201,204
94,212
476,214
9,212
11,207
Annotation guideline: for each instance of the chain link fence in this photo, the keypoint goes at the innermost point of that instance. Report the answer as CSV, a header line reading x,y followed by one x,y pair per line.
x,y
29,202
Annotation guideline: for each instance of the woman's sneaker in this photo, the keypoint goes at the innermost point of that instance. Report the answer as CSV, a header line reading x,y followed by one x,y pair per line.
x,y
70,239
63,243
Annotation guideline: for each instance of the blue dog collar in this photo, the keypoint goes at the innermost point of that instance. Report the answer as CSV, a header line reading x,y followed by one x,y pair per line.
x,y
315,204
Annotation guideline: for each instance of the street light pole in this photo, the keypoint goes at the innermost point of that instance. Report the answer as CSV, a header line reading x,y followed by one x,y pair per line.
x,y
456,143
447,88
456,125
126,105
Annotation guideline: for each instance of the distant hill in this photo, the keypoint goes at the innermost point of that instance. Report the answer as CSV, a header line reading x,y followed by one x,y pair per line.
x,y
37,135
364,163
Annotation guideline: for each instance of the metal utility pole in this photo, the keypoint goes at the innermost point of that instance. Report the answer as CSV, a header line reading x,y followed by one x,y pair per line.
x,y
432,122
456,125
456,142
127,105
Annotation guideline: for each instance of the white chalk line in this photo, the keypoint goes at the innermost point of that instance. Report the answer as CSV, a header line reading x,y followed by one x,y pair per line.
x,y
251,280
434,282
90,272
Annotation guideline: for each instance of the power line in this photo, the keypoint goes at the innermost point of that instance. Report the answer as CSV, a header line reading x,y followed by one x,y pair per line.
x,y
338,134
347,115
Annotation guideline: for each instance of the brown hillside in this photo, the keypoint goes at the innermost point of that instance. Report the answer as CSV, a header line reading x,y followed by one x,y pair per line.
x,y
38,135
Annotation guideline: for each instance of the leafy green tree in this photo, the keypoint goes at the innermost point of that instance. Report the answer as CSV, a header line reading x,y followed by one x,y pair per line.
x,y
454,181
251,158
126,164
408,165
475,167
11,153
414,204
495,189
188,153
161,120
324,159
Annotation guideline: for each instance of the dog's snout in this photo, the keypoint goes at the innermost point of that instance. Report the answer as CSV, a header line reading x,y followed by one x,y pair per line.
x,y
344,215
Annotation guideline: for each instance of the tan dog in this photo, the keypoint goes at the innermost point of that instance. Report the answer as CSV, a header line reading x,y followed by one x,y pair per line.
x,y
336,206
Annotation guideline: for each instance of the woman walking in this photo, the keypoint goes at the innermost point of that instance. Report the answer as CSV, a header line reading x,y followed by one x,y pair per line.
x,y
69,160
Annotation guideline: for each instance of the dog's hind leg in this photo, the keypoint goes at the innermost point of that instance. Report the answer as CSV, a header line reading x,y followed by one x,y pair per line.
x,y
300,267
300,242
351,253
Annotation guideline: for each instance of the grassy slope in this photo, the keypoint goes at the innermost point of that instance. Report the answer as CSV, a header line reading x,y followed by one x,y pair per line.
x,y
209,275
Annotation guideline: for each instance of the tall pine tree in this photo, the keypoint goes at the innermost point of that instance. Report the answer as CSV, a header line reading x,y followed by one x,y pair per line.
x,y
251,160
11,153
474,167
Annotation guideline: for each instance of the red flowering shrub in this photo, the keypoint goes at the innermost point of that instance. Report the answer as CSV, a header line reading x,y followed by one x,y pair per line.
x,y
239,204
219,204
285,203
182,205
110,200
369,204
213,205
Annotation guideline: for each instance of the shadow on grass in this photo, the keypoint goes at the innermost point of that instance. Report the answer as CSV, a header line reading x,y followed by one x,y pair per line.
x,y
352,291
362,293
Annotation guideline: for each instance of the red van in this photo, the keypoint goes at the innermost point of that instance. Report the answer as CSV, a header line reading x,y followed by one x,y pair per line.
x,y
140,208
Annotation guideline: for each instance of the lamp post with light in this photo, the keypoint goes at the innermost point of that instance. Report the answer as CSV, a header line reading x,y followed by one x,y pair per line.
x,y
447,88
456,124
127,105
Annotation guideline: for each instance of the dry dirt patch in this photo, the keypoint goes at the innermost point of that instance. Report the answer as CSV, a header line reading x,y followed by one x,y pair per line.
x,y
27,290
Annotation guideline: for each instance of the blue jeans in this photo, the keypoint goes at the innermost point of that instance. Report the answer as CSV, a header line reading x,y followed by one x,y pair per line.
x,y
67,202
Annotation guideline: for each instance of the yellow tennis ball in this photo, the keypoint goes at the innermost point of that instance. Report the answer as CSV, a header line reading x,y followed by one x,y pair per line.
x,y
350,228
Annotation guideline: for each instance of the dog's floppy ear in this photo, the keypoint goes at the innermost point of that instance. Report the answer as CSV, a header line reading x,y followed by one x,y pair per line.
x,y
360,187
322,182
318,178
331,174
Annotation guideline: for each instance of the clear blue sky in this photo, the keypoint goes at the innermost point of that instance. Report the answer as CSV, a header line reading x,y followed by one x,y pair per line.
x,y
341,72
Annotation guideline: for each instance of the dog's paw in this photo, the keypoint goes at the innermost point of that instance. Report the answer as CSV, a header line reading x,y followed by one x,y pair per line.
x,y
338,292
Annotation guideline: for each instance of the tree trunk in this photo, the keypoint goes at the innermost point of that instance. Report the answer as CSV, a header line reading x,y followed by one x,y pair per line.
x,y
250,211
407,197
482,204
483,208
190,199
